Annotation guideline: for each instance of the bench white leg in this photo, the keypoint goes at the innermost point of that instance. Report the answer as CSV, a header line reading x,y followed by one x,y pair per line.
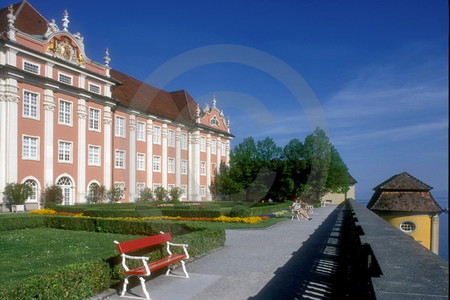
x,y
124,289
184,268
144,288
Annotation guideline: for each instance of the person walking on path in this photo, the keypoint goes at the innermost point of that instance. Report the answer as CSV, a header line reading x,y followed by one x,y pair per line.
x,y
297,206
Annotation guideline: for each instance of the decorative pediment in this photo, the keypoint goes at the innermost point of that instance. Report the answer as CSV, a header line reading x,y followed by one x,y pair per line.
x,y
63,47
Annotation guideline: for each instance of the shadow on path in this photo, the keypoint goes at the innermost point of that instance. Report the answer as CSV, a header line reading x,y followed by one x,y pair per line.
x,y
323,268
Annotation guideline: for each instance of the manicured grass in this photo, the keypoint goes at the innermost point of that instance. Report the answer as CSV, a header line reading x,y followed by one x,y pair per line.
x,y
30,252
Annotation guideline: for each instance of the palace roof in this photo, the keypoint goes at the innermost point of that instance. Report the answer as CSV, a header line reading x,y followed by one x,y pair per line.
x,y
403,193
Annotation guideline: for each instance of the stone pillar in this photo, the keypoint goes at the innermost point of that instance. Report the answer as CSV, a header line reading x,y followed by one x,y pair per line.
x,y
435,234
178,157
164,156
81,163
194,167
107,147
150,154
49,112
132,159
208,165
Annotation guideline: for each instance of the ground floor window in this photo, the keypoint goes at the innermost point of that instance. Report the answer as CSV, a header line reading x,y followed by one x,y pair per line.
x,y
67,189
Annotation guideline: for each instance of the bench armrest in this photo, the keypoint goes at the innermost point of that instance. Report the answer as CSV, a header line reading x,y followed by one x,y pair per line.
x,y
178,245
144,260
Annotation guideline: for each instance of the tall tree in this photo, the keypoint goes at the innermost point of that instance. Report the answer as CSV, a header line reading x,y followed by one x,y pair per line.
x,y
244,163
296,168
317,152
338,180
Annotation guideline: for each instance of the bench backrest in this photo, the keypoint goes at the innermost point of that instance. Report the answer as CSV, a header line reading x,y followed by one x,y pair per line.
x,y
134,245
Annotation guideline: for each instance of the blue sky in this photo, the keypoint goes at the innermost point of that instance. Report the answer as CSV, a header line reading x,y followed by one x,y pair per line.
x,y
373,74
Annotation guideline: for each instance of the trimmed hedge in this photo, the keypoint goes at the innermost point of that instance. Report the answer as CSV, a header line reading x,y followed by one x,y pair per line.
x,y
21,221
77,281
268,208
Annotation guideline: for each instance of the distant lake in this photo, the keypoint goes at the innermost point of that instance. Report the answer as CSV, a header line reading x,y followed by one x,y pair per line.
x,y
443,226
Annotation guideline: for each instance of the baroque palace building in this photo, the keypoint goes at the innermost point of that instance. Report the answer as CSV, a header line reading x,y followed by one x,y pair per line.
x,y
74,122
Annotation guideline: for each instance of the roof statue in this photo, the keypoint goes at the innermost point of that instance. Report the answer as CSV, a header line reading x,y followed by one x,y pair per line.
x,y
106,58
51,28
65,20
11,34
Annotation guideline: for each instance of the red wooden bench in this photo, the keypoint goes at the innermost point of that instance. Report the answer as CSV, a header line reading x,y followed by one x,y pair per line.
x,y
148,267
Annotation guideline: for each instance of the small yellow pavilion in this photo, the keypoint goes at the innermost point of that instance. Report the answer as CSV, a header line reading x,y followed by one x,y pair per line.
x,y
406,203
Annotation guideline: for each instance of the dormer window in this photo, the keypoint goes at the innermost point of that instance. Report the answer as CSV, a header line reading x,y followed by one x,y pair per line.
x,y
214,121
94,88
65,78
30,67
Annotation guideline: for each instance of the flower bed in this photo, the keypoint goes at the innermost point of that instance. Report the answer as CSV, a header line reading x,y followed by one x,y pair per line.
x,y
222,219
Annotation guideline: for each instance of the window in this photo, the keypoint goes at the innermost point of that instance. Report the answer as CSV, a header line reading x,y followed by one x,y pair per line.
x,y
66,185
140,131
121,186
203,190
94,119
120,126
213,146
140,186
30,146
213,169
64,152
184,167
183,190
203,168
94,88
408,226
156,135
94,155
30,67
202,144
171,141
34,189
184,141
170,187
120,159
223,148
30,105
65,78
140,162
214,121
65,112
171,165
156,185
156,163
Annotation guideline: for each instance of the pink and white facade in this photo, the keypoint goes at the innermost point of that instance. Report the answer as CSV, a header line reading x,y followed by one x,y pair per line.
x,y
71,121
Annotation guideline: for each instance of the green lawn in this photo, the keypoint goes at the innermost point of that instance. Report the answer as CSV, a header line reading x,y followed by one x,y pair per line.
x,y
30,252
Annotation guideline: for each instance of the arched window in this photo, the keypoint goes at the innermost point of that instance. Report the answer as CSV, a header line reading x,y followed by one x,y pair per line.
x,y
34,190
66,185
91,197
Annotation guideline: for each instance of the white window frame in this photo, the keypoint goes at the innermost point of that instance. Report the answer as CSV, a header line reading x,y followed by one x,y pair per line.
x,y
213,146
156,163
65,152
223,148
203,144
156,134
184,167
171,138
30,115
31,65
120,185
94,159
65,78
63,115
120,126
37,147
184,190
140,131
409,223
140,186
203,168
213,169
119,159
156,185
202,190
94,121
92,88
171,165
140,161
184,141
170,187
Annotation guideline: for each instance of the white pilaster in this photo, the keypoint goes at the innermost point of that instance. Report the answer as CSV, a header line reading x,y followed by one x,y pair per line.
x,y
81,163
49,69
178,157
194,167
49,108
164,156
150,154
107,147
435,234
208,165
132,159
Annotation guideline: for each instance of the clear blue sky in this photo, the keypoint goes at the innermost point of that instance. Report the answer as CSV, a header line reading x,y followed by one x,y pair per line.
x,y
378,70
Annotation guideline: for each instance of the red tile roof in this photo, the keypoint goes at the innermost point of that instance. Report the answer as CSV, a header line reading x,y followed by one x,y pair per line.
x,y
28,19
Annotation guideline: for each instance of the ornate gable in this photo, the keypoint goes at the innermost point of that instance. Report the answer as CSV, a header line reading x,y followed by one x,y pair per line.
x,y
213,117
64,47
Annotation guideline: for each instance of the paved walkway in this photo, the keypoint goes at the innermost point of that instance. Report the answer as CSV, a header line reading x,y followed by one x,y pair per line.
x,y
291,260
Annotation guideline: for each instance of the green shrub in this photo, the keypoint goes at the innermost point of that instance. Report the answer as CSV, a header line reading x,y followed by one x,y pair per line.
x,y
240,211
16,194
77,281
190,213
21,221
52,195
268,208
